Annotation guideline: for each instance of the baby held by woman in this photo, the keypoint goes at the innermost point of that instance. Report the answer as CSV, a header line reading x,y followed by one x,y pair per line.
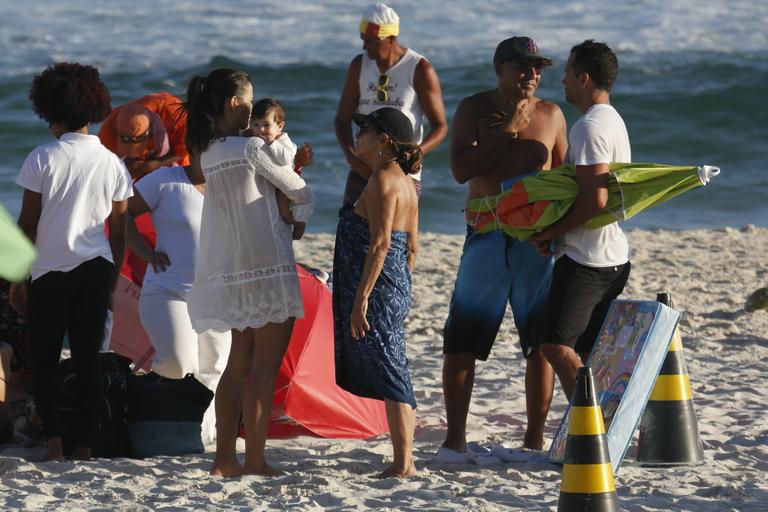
x,y
268,123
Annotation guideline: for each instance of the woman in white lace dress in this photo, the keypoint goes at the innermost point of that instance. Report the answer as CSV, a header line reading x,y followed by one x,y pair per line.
x,y
245,278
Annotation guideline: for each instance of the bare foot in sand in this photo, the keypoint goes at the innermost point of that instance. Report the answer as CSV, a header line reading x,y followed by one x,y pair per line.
x,y
398,471
229,468
263,470
533,441
55,450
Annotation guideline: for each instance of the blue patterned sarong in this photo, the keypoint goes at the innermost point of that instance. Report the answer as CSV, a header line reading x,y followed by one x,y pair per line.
x,y
374,366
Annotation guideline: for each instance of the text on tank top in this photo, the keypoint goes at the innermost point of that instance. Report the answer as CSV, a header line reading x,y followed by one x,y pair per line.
x,y
401,93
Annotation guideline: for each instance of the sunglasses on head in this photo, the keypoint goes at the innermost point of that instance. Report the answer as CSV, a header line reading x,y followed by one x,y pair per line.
x,y
382,95
133,139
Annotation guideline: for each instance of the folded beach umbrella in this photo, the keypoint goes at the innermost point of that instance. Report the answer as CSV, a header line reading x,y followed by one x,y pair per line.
x,y
538,200
16,251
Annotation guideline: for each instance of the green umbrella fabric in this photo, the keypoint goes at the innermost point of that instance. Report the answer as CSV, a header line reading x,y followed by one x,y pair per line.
x,y
16,251
537,201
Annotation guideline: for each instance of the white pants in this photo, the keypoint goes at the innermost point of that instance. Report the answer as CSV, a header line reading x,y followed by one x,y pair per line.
x,y
179,350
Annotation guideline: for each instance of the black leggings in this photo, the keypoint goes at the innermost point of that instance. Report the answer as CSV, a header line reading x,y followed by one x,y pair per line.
x,y
74,302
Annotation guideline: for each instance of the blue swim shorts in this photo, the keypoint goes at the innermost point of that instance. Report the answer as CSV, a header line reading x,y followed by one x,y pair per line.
x,y
495,269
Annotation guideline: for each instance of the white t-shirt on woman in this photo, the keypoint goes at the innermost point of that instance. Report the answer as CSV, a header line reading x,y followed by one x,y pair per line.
x,y
78,179
176,207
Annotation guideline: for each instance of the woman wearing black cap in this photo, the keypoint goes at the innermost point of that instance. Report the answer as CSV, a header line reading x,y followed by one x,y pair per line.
x,y
376,245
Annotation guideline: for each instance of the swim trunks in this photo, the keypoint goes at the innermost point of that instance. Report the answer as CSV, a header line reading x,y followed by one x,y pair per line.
x,y
495,269
578,301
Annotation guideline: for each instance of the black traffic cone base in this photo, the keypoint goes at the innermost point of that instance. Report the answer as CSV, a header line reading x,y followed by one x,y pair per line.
x,y
669,432
602,502
587,479
669,435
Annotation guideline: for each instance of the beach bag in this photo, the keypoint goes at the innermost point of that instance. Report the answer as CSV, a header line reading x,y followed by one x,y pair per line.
x,y
112,433
165,415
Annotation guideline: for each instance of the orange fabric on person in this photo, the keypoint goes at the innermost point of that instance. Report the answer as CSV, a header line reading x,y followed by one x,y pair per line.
x,y
174,118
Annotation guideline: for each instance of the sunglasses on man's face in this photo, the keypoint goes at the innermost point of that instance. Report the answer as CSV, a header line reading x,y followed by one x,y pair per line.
x,y
133,139
382,95
363,129
526,65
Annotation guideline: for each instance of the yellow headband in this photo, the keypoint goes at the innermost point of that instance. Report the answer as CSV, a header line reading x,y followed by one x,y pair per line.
x,y
369,28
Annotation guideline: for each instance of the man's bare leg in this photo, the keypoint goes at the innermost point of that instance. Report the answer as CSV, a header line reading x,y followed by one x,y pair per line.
x,y
401,418
566,363
539,386
229,404
270,343
458,381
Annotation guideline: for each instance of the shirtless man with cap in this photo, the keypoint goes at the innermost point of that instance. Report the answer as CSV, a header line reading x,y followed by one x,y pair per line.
x,y
498,135
387,75
147,133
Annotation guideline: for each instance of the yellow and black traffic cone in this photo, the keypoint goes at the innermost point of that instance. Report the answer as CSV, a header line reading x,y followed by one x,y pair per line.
x,y
669,432
587,483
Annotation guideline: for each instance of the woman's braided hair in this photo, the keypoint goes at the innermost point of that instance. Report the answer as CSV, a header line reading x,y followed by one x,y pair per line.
x,y
407,155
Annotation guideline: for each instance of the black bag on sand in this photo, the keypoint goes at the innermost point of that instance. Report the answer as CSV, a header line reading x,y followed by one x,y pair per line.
x,y
165,415
112,435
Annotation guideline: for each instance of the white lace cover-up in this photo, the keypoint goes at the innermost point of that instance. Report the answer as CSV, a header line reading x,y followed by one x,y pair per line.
x,y
246,272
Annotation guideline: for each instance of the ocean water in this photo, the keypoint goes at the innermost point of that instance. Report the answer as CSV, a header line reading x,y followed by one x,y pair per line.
x,y
692,88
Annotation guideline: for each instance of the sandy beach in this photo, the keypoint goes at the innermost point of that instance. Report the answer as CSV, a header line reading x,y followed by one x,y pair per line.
x,y
710,273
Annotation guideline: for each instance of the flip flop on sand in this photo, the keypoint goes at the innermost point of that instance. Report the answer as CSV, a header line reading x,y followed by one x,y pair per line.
x,y
517,454
482,456
448,456
475,454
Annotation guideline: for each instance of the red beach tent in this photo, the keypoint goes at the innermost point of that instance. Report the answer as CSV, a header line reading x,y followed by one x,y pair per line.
x,y
307,400
305,388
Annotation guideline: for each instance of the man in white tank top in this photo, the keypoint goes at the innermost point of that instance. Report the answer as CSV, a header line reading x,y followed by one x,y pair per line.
x,y
387,75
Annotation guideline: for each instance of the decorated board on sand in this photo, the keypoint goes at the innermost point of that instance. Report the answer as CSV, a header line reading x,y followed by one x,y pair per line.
x,y
625,361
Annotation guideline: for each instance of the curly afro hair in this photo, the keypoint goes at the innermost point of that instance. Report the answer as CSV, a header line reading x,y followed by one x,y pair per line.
x,y
71,95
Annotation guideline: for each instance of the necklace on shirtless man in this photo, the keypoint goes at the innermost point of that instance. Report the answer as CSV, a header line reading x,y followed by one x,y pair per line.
x,y
501,109
498,103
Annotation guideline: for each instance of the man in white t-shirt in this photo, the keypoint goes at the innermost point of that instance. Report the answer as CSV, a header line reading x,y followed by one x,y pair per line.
x,y
592,265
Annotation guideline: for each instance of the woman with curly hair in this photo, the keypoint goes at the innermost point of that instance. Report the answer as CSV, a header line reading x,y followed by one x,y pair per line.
x,y
245,274
71,185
